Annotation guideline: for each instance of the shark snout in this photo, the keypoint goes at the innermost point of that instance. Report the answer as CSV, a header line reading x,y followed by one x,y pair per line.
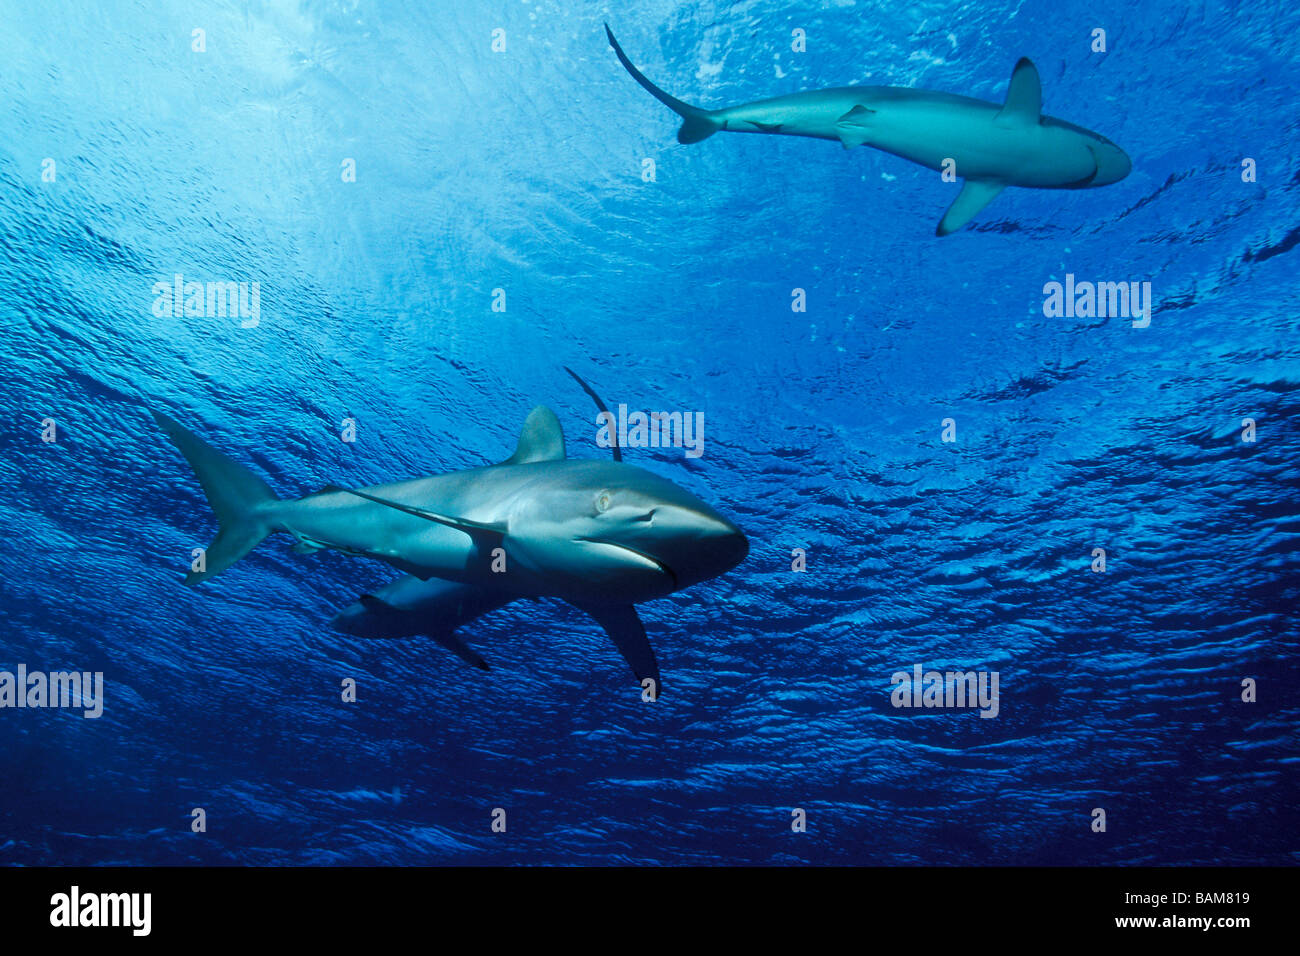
x,y
727,540
1113,164
697,543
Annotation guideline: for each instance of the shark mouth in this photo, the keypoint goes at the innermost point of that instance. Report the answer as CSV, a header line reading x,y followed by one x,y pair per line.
x,y
669,572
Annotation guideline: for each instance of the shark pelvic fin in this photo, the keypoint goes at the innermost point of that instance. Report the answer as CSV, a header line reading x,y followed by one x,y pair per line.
x,y
477,530
1024,104
627,632
541,438
853,127
975,195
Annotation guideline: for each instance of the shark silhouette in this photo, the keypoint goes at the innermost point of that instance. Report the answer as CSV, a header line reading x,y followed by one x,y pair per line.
x,y
602,535
989,146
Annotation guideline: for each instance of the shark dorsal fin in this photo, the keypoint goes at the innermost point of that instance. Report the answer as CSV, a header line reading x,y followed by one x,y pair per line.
x,y
541,438
1024,96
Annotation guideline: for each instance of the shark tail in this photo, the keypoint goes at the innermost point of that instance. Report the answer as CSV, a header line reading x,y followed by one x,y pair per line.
x,y
238,498
697,124
696,128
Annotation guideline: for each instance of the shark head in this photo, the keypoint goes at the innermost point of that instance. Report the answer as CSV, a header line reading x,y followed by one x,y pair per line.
x,y
606,532
1113,163
1110,163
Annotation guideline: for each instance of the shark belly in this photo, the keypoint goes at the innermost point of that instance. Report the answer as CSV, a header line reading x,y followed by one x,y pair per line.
x,y
979,145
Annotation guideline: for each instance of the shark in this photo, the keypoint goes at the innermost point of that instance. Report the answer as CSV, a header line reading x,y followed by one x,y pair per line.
x,y
602,535
990,146
410,606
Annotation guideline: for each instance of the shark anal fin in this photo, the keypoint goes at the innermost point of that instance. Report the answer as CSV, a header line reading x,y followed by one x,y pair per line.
x,y
975,195
1024,103
625,629
854,126
475,529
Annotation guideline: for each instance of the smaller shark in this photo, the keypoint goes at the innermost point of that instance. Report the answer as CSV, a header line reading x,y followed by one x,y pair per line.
x,y
989,146
603,536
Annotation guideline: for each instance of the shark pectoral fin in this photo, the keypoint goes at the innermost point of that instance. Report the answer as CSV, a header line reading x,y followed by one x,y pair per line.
x,y
854,126
541,438
975,195
1024,103
478,530
627,632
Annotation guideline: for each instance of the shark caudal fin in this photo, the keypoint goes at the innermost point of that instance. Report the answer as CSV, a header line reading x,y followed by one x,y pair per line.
x,y
697,124
237,496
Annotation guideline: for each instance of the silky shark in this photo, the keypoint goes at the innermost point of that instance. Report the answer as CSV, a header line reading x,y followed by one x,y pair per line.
x,y
410,606
603,536
989,146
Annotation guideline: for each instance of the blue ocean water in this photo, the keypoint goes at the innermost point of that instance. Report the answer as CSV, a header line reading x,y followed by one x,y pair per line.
x,y
128,157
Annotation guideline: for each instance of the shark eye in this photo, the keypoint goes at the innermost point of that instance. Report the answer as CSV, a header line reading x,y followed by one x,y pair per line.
x,y
602,501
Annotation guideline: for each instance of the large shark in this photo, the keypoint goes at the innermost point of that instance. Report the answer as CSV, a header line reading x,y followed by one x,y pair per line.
x,y
410,606
603,536
990,146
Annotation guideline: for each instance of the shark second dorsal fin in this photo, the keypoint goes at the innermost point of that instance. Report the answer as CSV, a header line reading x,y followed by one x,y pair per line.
x,y
541,439
1024,103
